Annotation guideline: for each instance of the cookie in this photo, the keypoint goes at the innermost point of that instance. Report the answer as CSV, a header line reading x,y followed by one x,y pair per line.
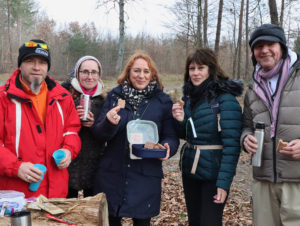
x,y
159,146
149,145
121,103
281,144
181,102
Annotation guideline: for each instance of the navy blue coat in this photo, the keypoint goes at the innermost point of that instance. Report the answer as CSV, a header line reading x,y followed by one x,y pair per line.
x,y
133,187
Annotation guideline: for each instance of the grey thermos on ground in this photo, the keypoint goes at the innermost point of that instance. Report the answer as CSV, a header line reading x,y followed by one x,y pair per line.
x,y
259,135
22,218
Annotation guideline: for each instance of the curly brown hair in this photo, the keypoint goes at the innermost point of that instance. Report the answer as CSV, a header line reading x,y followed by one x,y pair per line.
x,y
140,55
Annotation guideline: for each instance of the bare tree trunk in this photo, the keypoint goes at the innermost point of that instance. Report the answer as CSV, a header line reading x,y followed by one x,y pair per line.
x,y
273,12
199,24
247,41
2,56
218,32
18,29
240,39
20,34
289,24
121,37
260,14
282,13
205,18
234,43
67,61
188,29
8,32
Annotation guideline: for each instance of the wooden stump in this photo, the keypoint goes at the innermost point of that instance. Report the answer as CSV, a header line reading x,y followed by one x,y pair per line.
x,y
88,211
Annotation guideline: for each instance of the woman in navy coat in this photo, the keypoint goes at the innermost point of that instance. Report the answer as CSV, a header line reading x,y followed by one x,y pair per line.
x,y
133,186
210,121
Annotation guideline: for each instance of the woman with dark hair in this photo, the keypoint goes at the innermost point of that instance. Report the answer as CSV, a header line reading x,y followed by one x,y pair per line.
x,y
86,80
210,122
133,186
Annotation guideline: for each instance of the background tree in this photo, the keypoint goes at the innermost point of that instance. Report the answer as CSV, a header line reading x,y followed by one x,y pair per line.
x,y
205,19
121,37
273,12
70,41
23,17
239,46
233,41
282,13
8,7
121,5
199,24
218,31
17,18
297,43
247,40
183,24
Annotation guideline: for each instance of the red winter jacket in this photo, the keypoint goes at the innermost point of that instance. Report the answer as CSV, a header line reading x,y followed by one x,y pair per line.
x,y
23,137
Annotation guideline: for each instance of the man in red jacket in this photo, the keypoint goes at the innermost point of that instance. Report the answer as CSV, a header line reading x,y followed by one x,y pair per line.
x,y
37,117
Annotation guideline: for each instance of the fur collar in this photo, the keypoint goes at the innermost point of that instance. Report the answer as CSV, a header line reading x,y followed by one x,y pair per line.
x,y
215,89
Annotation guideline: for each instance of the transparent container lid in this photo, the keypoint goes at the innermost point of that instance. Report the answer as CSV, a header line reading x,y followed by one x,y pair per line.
x,y
7,194
141,131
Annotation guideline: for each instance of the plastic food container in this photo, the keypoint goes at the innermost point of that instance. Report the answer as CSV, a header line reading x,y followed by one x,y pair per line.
x,y
14,201
138,133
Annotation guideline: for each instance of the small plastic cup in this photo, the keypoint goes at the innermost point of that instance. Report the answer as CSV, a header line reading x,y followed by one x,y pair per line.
x,y
58,156
35,185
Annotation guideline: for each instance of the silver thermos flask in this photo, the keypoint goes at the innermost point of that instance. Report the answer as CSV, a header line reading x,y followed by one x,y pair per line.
x,y
22,218
259,135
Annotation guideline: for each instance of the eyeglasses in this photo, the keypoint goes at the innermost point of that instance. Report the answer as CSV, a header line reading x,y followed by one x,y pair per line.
x,y
35,44
86,73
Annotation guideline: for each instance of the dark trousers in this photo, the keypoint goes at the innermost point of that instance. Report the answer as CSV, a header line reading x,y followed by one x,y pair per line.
x,y
116,221
73,193
202,211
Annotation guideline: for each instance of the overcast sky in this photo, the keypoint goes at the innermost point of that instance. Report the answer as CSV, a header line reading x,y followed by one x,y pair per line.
x,y
146,16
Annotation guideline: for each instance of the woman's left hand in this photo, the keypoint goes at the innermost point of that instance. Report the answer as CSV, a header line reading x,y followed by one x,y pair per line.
x,y
166,145
90,116
220,197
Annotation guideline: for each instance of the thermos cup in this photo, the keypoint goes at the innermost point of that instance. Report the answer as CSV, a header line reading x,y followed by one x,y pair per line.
x,y
85,102
259,135
22,218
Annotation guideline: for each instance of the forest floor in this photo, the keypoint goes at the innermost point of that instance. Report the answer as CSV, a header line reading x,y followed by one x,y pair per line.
x,y
237,211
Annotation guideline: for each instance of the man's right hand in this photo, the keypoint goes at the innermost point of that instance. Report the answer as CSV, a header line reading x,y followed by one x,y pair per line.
x,y
29,173
250,144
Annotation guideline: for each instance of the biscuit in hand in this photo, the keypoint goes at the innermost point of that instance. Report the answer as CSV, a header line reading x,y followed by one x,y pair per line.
x,y
149,145
159,146
181,102
121,103
281,144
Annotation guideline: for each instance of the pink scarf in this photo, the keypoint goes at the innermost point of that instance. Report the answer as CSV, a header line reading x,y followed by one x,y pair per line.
x,y
91,93
281,68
